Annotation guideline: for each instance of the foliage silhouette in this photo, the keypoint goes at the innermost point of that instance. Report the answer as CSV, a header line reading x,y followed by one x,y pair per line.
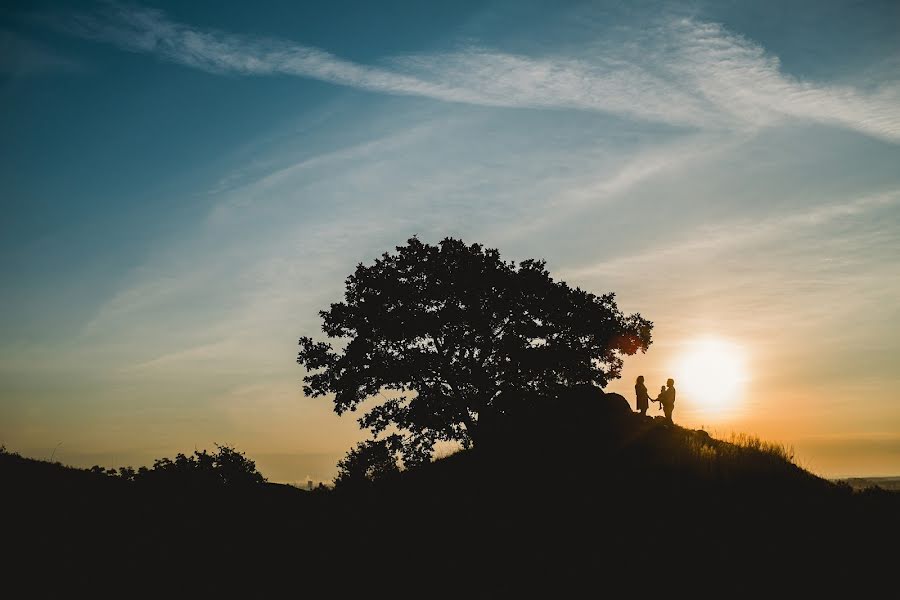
x,y
462,339
224,467
371,460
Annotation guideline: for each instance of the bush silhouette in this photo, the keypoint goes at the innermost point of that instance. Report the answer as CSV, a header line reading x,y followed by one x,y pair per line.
x,y
224,467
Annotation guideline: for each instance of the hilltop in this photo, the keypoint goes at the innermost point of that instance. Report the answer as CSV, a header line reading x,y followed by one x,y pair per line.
x,y
628,503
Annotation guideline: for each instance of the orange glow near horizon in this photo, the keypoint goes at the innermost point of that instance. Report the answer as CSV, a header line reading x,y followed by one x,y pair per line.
x,y
711,374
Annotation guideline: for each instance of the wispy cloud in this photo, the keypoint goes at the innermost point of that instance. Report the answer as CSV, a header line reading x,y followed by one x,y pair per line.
x,y
711,240
187,358
604,83
595,187
249,190
683,72
150,31
740,78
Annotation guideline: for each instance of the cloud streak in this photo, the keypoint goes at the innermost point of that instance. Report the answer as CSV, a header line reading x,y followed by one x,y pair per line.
x,y
740,78
149,31
682,73
711,241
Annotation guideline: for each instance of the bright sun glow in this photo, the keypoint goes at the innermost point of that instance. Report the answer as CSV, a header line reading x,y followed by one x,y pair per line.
x,y
711,374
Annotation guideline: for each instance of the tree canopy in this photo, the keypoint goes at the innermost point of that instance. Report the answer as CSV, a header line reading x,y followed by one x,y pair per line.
x,y
369,461
447,339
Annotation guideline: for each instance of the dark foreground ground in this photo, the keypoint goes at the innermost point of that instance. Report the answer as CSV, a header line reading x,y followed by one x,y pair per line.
x,y
624,507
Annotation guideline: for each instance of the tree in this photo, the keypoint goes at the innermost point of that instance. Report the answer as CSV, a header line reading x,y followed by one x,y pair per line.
x,y
371,460
459,338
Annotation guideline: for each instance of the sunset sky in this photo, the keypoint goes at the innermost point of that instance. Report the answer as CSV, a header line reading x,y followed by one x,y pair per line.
x,y
185,185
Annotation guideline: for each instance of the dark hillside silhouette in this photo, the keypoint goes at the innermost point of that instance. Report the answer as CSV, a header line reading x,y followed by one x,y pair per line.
x,y
585,500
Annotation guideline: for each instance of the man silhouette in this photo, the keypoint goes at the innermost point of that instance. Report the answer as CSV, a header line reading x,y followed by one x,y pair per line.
x,y
667,399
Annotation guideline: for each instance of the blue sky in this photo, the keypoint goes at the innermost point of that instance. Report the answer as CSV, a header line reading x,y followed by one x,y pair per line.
x,y
185,185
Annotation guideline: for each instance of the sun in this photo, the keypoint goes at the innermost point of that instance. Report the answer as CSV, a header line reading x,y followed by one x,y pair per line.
x,y
711,374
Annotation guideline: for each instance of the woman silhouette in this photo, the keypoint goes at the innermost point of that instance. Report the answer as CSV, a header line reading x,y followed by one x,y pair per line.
x,y
643,399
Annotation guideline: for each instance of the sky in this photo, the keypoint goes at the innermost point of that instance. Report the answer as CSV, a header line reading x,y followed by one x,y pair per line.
x,y
185,185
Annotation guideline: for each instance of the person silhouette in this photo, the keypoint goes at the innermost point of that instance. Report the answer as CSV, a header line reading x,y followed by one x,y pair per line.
x,y
667,399
643,398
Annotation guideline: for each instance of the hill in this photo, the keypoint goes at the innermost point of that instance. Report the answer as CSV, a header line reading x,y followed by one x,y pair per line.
x,y
862,483
630,504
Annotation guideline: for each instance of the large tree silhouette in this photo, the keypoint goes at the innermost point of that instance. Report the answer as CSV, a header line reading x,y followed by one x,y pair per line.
x,y
448,339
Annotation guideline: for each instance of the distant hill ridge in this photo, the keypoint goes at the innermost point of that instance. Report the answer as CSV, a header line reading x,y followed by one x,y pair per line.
x,y
863,483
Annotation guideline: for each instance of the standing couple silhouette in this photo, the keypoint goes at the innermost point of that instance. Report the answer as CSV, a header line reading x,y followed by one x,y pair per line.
x,y
666,397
